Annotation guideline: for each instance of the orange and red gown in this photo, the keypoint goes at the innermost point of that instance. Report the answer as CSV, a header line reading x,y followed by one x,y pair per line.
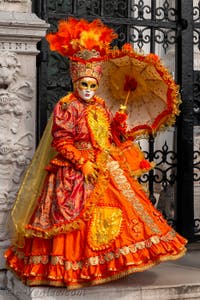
x,y
83,234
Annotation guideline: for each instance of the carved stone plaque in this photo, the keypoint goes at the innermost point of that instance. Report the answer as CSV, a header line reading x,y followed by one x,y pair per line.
x,y
15,5
16,141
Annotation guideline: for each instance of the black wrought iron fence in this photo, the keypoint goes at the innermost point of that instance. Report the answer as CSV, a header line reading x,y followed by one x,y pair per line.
x,y
171,29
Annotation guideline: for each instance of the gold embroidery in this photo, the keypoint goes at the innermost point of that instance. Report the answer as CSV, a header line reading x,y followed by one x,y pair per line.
x,y
55,260
105,227
93,261
44,259
99,126
101,259
32,231
77,284
73,265
66,100
129,194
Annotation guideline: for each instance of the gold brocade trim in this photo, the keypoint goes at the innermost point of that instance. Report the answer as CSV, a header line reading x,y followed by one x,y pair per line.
x,y
64,101
72,284
99,126
100,187
32,231
105,227
81,145
130,195
98,259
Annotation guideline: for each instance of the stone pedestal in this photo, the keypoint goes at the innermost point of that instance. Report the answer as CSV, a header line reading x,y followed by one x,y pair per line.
x,y
20,30
16,5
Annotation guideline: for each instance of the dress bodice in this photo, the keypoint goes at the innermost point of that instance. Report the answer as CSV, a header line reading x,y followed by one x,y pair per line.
x,y
81,124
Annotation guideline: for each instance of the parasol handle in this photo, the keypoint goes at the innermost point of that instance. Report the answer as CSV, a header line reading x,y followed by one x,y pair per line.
x,y
127,96
123,106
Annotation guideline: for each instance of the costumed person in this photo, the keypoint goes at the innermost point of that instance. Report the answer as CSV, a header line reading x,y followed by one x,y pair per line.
x,y
89,221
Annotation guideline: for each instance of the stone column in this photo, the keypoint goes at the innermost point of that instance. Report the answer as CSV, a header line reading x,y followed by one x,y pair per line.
x,y
20,30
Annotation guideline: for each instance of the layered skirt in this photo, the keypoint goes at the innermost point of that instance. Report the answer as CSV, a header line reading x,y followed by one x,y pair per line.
x,y
114,231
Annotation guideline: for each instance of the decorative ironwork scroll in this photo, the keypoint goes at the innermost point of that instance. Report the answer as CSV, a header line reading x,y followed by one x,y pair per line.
x,y
165,27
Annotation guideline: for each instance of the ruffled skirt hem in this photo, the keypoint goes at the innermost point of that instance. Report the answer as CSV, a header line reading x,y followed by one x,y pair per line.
x,y
83,275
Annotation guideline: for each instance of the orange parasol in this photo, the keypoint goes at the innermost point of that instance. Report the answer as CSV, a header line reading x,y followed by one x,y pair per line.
x,y
144,86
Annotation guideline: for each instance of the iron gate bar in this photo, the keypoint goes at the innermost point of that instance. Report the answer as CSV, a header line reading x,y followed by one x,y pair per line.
x,y
197,24
182,25
122,21
185,186
42,109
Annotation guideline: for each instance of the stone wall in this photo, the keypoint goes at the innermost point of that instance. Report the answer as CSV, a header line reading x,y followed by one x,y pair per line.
x,y
20,30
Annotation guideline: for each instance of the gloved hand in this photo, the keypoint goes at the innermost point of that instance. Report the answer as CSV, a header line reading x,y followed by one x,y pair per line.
x,y
123,109
90,172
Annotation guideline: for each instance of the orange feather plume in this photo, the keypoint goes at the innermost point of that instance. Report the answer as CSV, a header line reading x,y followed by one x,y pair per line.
x,y
74,35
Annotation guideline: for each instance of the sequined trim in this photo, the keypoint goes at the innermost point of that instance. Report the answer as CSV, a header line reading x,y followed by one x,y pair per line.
x,y
72,284
98,259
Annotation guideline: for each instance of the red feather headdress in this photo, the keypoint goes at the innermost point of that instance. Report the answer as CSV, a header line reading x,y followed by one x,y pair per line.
x,y
85,43
74,36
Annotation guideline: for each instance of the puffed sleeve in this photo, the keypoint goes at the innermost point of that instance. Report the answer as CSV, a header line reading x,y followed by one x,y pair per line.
x,y
64,131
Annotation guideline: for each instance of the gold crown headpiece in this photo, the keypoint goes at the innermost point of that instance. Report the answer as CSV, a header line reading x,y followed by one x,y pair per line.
x,y
85,43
